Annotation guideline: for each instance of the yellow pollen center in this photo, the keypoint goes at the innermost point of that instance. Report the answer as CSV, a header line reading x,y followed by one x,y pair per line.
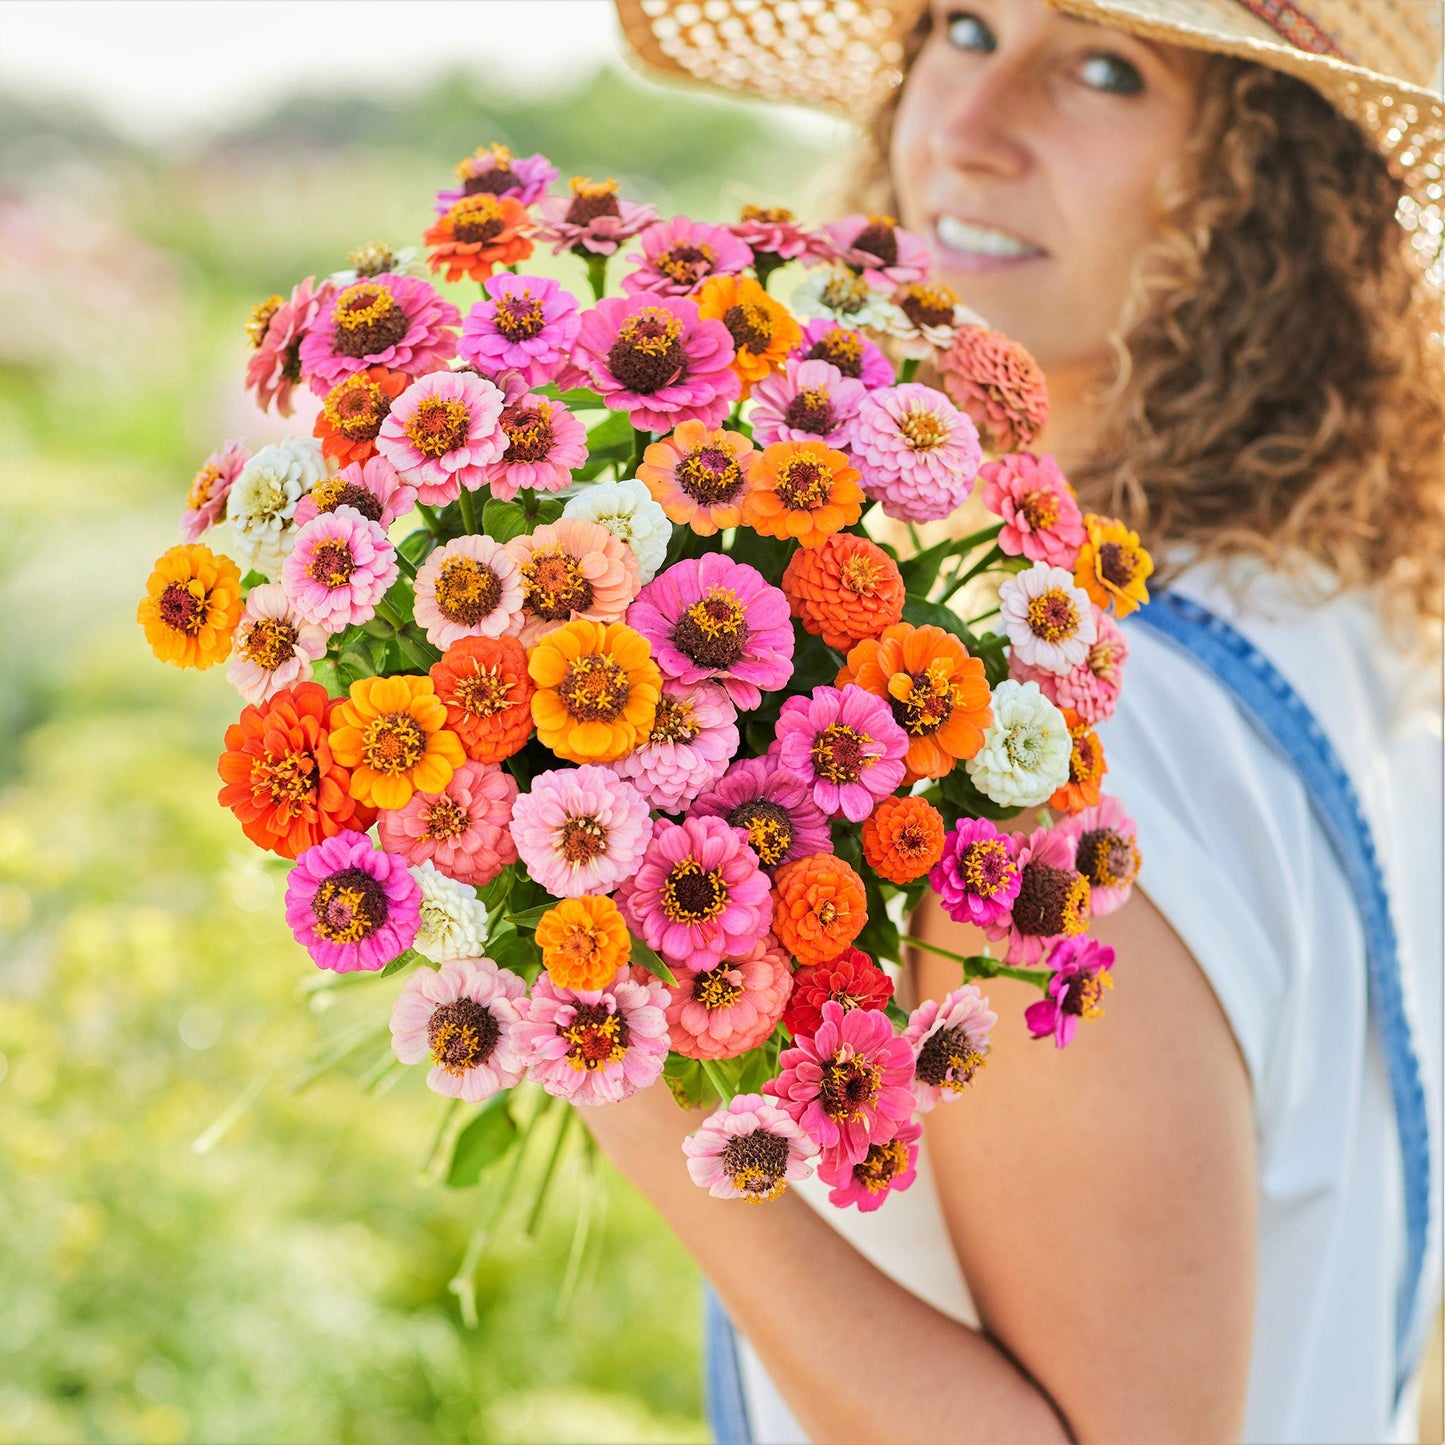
x,y
485,693
269,641
923,429
849,1086
861,575
844,293
693,894
260,318
804,484
840,754
331,564
595,689
393,743
1052,616
202,486
362,305
439,425
1040,509
652,331
467,591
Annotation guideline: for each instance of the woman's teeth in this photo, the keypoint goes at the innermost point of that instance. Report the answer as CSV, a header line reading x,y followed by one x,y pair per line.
x,y
961,236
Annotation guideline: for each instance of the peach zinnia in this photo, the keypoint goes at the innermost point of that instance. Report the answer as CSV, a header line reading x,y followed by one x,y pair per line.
x,y
819,907
845,590
700,476
763,329
1112,567
477,234
903,839
937,692
392,734
803,490
570,569
483,683
584,942
191,607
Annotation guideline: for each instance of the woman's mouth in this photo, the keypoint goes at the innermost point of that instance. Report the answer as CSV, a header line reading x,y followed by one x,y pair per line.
x,y
968,246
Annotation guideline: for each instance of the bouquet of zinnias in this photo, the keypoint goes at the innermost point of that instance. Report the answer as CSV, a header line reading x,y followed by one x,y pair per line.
x,y
591,713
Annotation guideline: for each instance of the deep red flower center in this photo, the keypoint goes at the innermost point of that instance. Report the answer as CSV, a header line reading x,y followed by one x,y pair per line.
x,y
1051,901
348,906
462,1034
711,476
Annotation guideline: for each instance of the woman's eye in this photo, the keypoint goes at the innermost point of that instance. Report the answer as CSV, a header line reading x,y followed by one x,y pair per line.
x,y
968,32
1108,72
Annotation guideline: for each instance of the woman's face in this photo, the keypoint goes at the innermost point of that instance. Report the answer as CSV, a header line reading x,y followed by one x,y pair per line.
x,y
1026,150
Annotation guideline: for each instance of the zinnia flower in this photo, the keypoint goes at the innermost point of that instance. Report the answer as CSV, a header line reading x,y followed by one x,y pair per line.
x,y
399,322
581,830
442,433
465,829
699,476
819,907
477,234
453,919
699,895
379,258
655,358
584,942
748,1149
1041,519
527,324
809,401
802,490
206,500
1053,896
340,567
773,236
595,1046
918,453
852,980
597,690
976,879
464,1016
274,645
1091,688
1112,567
262,505
350,905
848,1085
879,248
845,743
925,316
688,748
627,510
679,254
392,733
373,488
903,839
352,414
572,569
857,358
843,296
1106,853
470,587
278,330
710,619
772,807
763,330
887,1168
937,693
544,442
282,779
493,170
949,1040
593,221
1080,976
191,607
1025,753
1049,621
844,590
1001,387
1086,768
725,1010
483,683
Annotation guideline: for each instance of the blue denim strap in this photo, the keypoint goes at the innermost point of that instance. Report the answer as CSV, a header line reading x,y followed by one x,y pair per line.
x,y
1276,710
726,1409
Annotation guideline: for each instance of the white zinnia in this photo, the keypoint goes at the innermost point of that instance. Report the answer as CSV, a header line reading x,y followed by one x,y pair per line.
x,y
263,501
837,293
628,511
1049,620
453,918
1026,750
920,341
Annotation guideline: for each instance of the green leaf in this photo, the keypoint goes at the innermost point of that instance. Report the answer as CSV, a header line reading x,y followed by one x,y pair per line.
x,y
815,664
768,554
484,1140
898,1014
502,521
416,547
614,431
403,961
920,571
644,957
531,917
879,938
959,798
512,950
923,613
578,399
253,579
548,510
687,1083
494,894
755,1068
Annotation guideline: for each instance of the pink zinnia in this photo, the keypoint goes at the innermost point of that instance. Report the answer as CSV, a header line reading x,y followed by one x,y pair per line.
x,y
773,236
399,322
572,568
372,487
465,1017
880,249
470,587
772,808
279,364
1053,896
580,830
1041,518
527,324
493,170
918,453
1080,975
849,1085
1106,852
593,221
1049,620
806,401
339,569
846,744
748,1149
1091,688
949,1041
710,619
655,358
351,905
887,1168
699,895
692,740
442,432
464,830
825,339
976,880
678,255
275,646
544,442
732,1007
595,1046
206,501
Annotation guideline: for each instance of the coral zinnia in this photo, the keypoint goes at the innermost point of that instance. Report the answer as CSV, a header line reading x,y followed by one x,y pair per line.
x,y
1041,519
976,879
353,412
852,980
938,694
477,234
597,690
845,590
887,1168
581,830
1112,567
340,567
527,324
919,453
949,1039
903,839
1107,853
763,330
470,587
1080,975
206,500
775,809
442,432
484,685
845,743
1053,896
1001,387
748,1149
819,907
803,490
572,569
191,607
1086,768
810,401
464,830
584,942
278,328
699,475
723,1011
275,645
392,733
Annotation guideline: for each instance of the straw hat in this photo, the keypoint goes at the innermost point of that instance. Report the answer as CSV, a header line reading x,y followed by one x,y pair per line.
x,y
1377,61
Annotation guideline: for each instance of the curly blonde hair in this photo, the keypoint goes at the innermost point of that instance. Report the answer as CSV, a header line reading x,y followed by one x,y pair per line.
x,y
1279,389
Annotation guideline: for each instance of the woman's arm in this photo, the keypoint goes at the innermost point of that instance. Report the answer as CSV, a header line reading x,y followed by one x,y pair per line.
x,y
1102,1205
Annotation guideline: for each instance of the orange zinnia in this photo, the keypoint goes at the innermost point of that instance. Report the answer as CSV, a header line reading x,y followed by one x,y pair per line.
x,y
903,839
1086,768
392,734
819,907
484,685
699,476
1112,567
192,606
763,329
584,942
845,590
282,779
353,412
478,234
938,693
805,490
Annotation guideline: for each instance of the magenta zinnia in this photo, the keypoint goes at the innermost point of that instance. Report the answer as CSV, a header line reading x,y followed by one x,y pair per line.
x,y
887,1168
1053,896
976,880
846,744
1106,853
1080,975
949,1040
544,442
774,809
748,1149
527,324
678,255
206,501
808,401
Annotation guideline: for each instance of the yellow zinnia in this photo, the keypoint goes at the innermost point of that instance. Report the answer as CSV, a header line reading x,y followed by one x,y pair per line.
x,y
1112,567
597,690
192,606
392,733
584,942
763,330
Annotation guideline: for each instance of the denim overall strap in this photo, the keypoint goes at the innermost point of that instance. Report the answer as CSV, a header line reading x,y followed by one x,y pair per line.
x,y
726,1409
1277,711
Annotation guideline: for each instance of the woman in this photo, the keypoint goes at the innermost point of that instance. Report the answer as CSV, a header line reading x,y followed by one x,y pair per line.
x,y
1200,1220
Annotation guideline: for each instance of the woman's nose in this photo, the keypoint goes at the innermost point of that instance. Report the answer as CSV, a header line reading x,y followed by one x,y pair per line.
x,y
983,119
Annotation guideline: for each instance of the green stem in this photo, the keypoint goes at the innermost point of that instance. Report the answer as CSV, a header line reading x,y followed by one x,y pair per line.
x,y
469,512
641,440
406,564
461,1283
527,496
980,965
994,554
908,370
448,1114
422,654
982,617
597,275
388,613
563,1130
430,518
715,1078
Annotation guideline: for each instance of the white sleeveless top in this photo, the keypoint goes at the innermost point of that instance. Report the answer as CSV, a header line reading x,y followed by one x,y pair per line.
x,y
1234,859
